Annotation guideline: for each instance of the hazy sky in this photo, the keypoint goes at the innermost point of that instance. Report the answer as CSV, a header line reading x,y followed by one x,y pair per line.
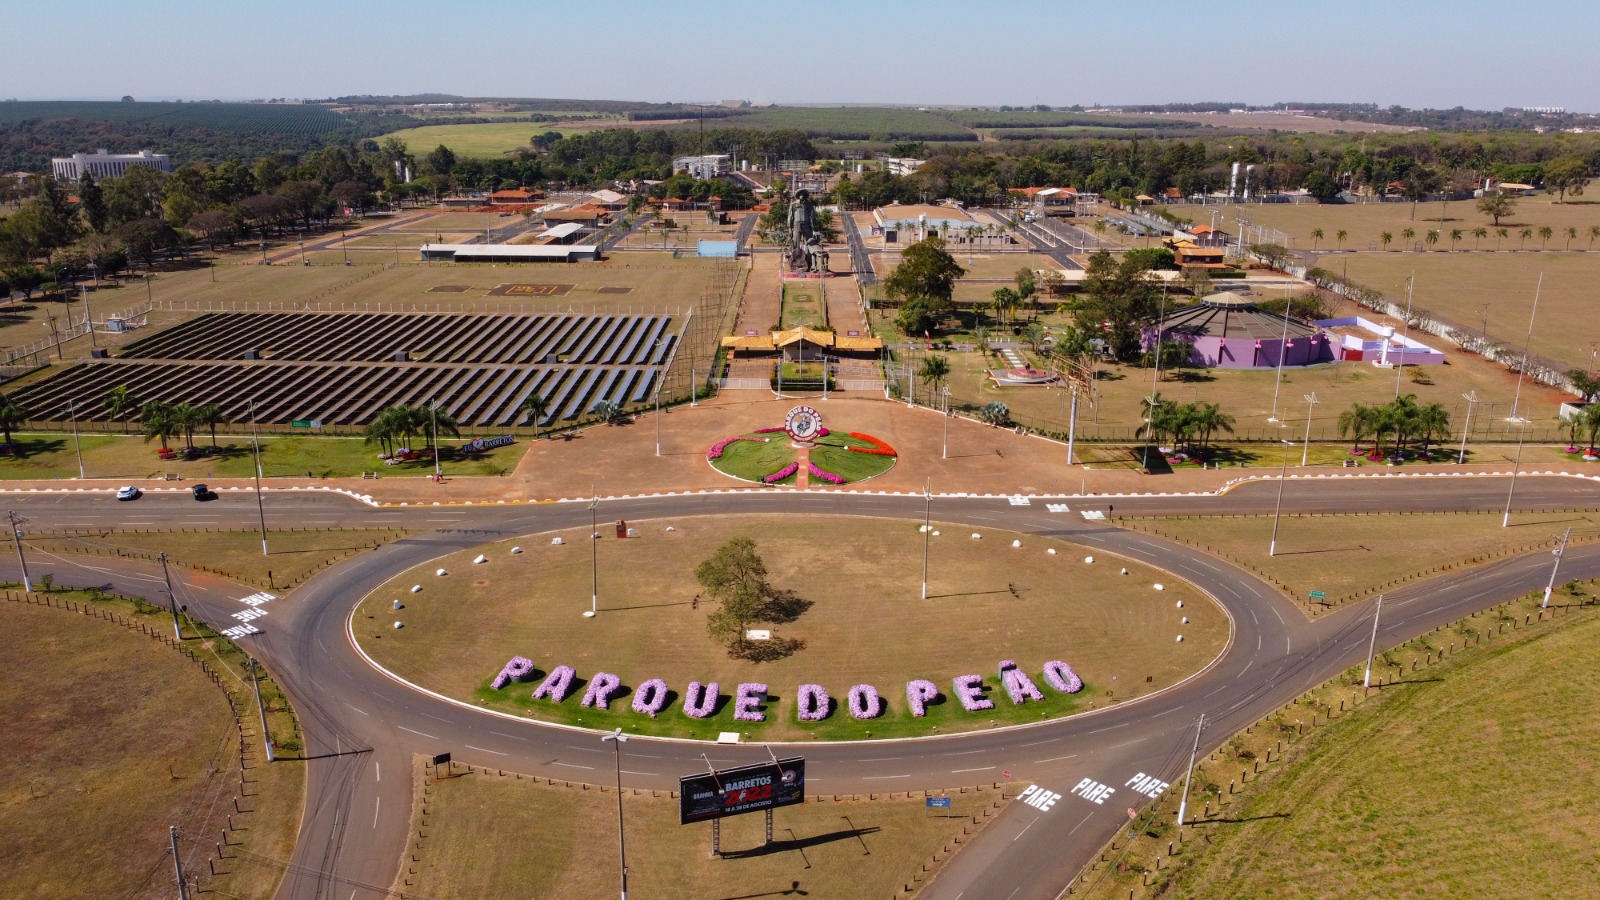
x,y
1416,53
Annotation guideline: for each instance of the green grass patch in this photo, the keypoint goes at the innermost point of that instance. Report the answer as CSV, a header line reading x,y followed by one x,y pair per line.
x,y
766,454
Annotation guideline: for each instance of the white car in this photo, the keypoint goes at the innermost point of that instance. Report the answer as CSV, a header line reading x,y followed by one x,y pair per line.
x,y
128,493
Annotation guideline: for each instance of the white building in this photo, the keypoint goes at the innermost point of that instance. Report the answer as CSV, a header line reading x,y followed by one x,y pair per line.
x,y
902,165
703,167
101,164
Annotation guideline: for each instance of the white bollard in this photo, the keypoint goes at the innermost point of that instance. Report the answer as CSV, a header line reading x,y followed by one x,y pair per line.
x,y
516,550
1180,638
556,542
440,572
1051,551
1160,587
1185,620
976,536
1089,560
480,559
399,625
397,605
416,589
1180,604
1016,545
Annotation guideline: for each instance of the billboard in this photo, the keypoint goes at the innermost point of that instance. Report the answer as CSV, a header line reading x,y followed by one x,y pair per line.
x,y
747,789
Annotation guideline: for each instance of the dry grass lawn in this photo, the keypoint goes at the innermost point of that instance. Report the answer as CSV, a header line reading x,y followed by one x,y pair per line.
x,y
95,768
1348,556
867,624
492,836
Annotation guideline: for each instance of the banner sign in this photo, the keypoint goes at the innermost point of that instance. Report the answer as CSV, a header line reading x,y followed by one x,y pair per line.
x,y
747,789
478,445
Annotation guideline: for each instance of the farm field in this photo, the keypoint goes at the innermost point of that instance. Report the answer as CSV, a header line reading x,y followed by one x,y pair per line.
x,y
482,140
477,846
1104,624
221,117
1365,222
1367,805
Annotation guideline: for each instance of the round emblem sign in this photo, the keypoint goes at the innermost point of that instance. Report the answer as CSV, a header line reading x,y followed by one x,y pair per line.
x,y
803,423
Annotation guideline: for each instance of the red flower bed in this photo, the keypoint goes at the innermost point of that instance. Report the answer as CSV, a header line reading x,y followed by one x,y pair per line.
x,y
878,448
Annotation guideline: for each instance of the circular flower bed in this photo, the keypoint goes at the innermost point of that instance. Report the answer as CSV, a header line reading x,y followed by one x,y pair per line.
x,y
766,456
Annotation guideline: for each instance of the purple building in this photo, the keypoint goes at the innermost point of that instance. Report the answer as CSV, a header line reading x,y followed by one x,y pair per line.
x,y
1225,330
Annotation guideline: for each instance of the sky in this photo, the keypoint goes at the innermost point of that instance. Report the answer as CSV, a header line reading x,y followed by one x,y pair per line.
x,y
1415,53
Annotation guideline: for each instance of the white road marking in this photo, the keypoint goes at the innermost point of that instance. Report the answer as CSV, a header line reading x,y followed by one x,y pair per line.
x,y
959,771
375,807
1079,825
1108,728
1023,831
882,759
436,718
965,752
1054,759
1037,743
486,750
512,736
882,777
575,766
377,772
631,772
414,731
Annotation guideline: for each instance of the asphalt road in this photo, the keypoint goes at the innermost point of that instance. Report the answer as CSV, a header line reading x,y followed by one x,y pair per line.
x,y
362,727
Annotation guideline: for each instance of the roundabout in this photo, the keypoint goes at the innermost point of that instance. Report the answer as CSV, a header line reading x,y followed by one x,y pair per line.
x,y
853,626
802,453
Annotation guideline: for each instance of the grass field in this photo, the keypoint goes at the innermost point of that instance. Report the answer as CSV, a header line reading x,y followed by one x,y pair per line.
x,y
802,307
754,460
483,140
1376,802
1346,556
104,772
294,555
477,844
117,456
1113,629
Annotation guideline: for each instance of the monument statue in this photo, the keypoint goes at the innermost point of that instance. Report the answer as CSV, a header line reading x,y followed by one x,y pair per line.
x,y
805,251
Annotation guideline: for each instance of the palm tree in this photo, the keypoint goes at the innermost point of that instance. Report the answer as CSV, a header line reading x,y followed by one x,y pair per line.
x,y
1402,413
1432,237
120,403
1455,237
187,418
1524,234
436,419
1316,235
210,415
12,415
1594,232
157,421
1478,234
1407,234
380,431
935,369
1432,420
1499,235
1572,234
1590,416
1209,418
981,336
534,406
1033,335
1359,421
1384,238
1339,236
1545,231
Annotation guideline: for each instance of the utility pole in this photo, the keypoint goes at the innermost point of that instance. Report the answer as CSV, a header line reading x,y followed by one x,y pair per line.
x,y
261,510
177,863
1471,397
1305,447
1183,802
1558,552
433,416
1277,509
88,324
1405,328
16,532
618,739
594,565
1505,520
172,603
72,410
1527,343
1372,643
266,736
927,532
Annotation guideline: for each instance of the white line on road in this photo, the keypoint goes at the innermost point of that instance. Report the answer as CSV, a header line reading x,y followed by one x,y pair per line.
x,y
377,772
1125,744
631,772
436,718
512,736
966,752
1054,759
980,769
1023,831
882,777
1107,728
1037,743
576,766
1079,825
414,731
375,807
486,750
883,759
359,710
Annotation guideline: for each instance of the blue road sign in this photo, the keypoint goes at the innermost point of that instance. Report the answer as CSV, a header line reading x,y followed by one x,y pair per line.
x,y
938,802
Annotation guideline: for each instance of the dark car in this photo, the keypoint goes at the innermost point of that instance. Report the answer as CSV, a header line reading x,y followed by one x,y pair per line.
x,y
201,492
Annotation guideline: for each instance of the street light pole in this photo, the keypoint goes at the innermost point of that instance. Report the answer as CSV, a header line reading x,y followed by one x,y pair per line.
x,y
1559,552
433,416
1471,397
1305,447
594,557
1527,343
16,534
261,510
1372,644
945,452
1505,520
172,602
266,736
72,410
88,323
618,739
1283,351
1277,509
1405,328
927,532
1072,423
1183,802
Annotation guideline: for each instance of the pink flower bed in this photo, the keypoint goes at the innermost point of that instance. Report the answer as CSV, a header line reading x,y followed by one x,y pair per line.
x,y
824,474
782,473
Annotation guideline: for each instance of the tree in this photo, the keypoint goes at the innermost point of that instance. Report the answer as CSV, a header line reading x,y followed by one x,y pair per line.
x,y
1500,234
120,402
1408,234
210,415
1572,235
1594,232
1497,205
186,418
147,238
441,161
1033,335
1478,234
1322,186
925,281
157,421
92,201
1316,235
1431,420
935,369
1358,421
1584,384
1385,238
1432,237
534,406
608,411
1523,236
1339,237
1005,301
1208,418
1545,231
1567,175
1119,299
736,578
996,413
12,416
1589,417
1455,237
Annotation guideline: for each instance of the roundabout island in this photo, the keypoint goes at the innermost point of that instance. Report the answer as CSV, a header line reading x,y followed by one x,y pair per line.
x,y
1016,629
